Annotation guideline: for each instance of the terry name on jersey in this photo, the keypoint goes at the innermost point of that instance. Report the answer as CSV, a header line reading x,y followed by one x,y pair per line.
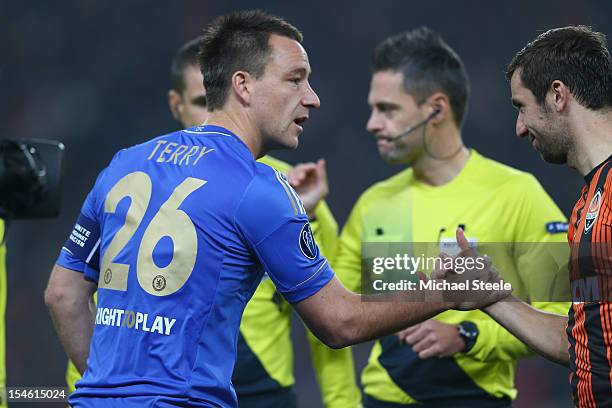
x,y
174,153
134,320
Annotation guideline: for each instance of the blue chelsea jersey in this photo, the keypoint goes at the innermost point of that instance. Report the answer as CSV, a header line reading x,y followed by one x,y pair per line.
x,y
177,232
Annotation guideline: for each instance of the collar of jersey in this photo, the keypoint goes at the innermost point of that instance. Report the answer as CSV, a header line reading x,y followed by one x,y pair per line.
x,y
589,176
217,130
211,129
457,180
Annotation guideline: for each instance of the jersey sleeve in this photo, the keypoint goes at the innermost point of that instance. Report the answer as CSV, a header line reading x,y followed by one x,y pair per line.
x,y
542,253
538,250
273,221
325,230
348,260
81,251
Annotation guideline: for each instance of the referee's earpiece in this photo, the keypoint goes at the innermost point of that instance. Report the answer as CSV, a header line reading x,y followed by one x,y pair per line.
x,y
436,110
424,122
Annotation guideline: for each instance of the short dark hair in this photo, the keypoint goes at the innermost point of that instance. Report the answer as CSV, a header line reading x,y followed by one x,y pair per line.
x,y
575,55
429,65
238,41
186,56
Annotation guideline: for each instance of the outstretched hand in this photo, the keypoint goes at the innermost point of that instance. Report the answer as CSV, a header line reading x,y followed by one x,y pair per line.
x,y
479,273
309,180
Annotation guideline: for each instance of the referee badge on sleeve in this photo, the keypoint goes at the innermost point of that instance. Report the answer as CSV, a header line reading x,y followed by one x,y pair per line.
x,y
307,242
556,227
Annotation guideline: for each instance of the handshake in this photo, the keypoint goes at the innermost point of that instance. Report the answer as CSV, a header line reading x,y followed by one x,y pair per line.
x,y
473,286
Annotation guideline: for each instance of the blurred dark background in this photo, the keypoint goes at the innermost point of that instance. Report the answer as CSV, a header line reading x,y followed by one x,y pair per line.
x,y
95,75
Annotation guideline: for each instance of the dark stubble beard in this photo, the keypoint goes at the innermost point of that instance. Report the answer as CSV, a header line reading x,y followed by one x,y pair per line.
x,y
555,149
554,141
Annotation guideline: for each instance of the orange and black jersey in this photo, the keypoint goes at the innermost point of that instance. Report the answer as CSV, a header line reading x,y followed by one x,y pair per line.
x,y
589,327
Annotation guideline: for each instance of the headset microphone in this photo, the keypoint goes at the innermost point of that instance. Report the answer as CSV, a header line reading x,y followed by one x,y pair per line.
x,y
411,129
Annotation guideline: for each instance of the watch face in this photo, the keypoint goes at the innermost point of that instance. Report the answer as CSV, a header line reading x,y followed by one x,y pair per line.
x,y
469,332
468,329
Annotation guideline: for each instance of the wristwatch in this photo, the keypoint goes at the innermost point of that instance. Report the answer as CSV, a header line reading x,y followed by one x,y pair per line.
x,y
469,332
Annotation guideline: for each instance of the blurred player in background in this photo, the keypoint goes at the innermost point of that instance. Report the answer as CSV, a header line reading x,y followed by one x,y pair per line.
x,y
419,97
561,85
178,231
263,376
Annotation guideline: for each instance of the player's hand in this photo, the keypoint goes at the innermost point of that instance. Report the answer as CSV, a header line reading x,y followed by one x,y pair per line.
x,y
481,272
309,180
433,339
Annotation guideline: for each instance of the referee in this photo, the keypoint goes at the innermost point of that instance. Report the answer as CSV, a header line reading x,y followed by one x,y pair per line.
x,y
419,97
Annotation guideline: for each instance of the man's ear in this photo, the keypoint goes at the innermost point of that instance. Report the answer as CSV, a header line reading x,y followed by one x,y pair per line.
x,y
558,95
242,86
175,102
439,103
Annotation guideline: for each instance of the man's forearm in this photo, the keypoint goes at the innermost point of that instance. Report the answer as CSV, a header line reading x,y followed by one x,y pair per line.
x,y
69,298
341,318
373,319
542,331
74,330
